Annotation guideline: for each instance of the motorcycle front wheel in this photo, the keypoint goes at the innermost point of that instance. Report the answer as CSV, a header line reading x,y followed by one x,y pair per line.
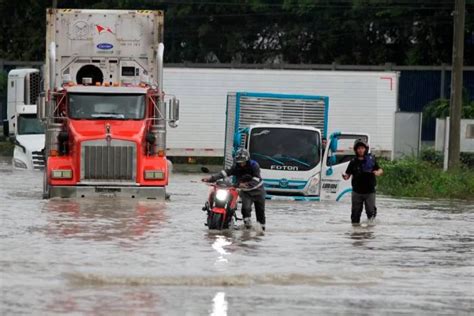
x,y
215,220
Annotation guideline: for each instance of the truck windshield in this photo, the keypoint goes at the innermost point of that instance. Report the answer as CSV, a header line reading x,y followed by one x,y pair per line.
x,y
106,106
29,124
285,148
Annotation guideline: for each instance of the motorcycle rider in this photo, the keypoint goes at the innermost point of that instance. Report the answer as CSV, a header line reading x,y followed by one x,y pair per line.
x,y
247,173
363,169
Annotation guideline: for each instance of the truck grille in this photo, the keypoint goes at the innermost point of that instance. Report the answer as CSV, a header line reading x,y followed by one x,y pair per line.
x,y
38,160
112,162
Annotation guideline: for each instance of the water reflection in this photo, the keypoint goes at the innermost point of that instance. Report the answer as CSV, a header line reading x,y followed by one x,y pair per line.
x,y
219,305
135,302
360,235
234,240
101,220
218,245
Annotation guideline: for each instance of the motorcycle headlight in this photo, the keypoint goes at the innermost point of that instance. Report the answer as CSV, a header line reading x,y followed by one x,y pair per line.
x,y
313,188
221,195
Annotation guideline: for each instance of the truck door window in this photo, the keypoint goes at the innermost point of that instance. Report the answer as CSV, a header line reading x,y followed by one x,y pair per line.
x,y
29,124
344,152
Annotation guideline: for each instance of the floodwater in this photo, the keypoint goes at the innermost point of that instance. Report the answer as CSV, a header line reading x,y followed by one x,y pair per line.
x,y
109,257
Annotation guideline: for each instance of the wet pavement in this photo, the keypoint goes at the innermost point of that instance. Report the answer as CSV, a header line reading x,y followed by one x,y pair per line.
x,y
117,257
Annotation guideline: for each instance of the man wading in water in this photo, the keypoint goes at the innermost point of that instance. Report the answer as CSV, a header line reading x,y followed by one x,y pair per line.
x,y
363,169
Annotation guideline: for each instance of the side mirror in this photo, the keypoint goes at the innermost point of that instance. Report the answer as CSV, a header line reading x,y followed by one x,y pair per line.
x,y
237,138
41,106
334,144
173,112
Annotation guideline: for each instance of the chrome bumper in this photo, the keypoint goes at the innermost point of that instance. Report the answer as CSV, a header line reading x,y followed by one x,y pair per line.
x,y
154,193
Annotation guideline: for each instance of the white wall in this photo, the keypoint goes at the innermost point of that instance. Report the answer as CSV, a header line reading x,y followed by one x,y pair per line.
x,y
358,101
467,137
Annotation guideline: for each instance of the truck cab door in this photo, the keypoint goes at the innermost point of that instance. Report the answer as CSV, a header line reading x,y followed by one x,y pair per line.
x,y
337,155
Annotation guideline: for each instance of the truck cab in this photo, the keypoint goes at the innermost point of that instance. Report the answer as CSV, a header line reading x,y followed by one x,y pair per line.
x,y
284,133
24,127
295,166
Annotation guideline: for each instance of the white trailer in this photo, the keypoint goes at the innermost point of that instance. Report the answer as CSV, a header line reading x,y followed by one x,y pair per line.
x,y
360,102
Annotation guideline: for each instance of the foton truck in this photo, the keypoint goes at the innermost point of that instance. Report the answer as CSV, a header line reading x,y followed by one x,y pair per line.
x,y
104,107
284,133
24,128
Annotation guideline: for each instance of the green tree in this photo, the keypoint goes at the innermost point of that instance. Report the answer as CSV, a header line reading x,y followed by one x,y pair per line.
x,y
440,108
373,32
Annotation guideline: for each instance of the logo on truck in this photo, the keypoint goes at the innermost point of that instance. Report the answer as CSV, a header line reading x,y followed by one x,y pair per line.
x,y
288,168
101,29
105,46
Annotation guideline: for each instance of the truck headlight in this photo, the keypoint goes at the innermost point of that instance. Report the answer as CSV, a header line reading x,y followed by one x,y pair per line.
x,y
313,187
19,164
221,195
154,175
61,174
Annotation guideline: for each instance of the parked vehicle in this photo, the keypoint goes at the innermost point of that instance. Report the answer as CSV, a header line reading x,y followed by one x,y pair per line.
x,y
358,101
104,106
284,133
24,128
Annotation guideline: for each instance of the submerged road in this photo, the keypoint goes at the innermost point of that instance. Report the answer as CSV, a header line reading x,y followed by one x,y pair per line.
x,y
113,257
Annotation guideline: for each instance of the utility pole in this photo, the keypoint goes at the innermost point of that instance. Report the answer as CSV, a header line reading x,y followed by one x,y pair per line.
x,y
456,86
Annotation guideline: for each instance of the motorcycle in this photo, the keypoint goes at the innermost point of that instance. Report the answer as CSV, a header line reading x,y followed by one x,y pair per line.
x,y
221,205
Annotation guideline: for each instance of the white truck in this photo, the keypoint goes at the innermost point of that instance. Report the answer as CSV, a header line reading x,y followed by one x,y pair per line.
x,y
359,101
24,128
284,134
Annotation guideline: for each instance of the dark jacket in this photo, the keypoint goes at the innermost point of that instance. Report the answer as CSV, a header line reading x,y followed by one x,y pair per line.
x,y
249,174
363,178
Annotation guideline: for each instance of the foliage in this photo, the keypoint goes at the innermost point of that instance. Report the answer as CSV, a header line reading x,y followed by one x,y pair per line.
x,y
3,87
417,178
263,31
6,148
440,108
436,158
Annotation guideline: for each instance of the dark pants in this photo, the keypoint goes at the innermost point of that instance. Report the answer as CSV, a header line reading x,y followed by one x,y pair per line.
x,y
256,197
358,201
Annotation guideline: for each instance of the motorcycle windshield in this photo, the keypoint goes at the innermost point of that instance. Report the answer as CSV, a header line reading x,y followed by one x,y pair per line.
x,y
287,149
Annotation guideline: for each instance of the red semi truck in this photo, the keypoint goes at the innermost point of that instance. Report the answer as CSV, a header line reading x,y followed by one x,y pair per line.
x,y
104,108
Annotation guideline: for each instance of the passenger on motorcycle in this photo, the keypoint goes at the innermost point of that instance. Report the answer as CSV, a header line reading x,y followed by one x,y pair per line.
x,y
250,183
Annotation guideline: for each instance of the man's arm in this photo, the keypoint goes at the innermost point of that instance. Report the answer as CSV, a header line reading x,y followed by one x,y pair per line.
x,y
256,180
221,175
348,172
377,170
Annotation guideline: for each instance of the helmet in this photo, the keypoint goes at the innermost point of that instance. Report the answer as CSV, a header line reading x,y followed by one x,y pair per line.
x,y
360,142
241,156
